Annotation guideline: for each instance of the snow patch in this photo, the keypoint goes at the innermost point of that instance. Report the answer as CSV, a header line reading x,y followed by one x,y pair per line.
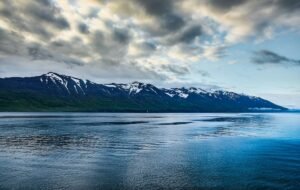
x,y
110,85
197,90
183,95
75,89
169,94
134,88
77,81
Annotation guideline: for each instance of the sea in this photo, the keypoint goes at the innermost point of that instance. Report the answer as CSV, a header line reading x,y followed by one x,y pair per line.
x,y
149,151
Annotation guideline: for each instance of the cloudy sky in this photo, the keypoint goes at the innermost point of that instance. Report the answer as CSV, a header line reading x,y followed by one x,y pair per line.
x,y
246,46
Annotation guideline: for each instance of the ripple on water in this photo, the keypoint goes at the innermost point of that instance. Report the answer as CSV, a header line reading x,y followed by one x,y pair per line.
x,y
149,151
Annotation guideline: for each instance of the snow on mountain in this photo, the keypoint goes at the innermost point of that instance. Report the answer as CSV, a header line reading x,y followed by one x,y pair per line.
x,y
69,83
134,87
196,90
185,92
79,86
56,79
110,85
135,95
170,94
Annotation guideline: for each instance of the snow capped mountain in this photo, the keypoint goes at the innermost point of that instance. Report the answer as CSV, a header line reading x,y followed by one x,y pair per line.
x,y
197,90
134,87
177,92
184,92
70,84
79,86
66,92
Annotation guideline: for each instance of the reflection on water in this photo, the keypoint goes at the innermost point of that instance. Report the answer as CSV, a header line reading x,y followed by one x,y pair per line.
x,y
153,151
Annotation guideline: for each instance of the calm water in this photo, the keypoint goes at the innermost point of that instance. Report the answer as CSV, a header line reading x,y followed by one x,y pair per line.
x,y
149,151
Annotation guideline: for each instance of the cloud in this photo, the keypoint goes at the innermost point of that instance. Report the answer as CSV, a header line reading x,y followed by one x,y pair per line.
x,y
165,38
214,52
83,28
40,18
37,52
11,43
180,70
187,35
141,49
165,13
111,45
225,5
45,11
121,35
269,57
244,19
203,73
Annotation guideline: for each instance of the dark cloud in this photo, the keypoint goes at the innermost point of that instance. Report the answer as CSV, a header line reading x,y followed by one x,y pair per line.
x,y
83,28
45,11
189,34
12,44
185,36
40,18
157,7
288,5
58,44
5,41
172,22
6,11
121,35
24,23
6,45
225,4
37,52
165,12
98,41
148,46
269,57
45,2
143,49
179,70
111,45
73,47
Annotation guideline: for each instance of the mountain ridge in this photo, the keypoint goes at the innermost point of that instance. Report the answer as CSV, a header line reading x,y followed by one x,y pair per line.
x,y
57,92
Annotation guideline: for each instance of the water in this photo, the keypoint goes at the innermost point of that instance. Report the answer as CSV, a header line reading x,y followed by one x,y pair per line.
x,y
149,151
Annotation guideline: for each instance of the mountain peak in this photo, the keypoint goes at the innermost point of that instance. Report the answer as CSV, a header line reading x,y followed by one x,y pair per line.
x,y
50,74
137,83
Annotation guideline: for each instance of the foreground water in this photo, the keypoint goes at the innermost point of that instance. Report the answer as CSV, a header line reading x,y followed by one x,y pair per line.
x,y
149,151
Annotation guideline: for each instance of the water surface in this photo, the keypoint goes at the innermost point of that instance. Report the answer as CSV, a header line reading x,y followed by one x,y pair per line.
x,y
149,151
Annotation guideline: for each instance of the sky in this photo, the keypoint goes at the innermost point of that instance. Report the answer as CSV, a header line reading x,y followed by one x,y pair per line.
x,y
245,46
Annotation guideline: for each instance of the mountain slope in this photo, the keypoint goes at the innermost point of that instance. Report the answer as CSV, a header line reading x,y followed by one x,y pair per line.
x,y
56,92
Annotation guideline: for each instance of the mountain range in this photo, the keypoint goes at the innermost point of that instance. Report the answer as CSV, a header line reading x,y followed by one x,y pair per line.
x,y
57,92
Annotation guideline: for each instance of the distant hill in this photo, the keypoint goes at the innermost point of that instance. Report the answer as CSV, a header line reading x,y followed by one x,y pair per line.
x,y
56,92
